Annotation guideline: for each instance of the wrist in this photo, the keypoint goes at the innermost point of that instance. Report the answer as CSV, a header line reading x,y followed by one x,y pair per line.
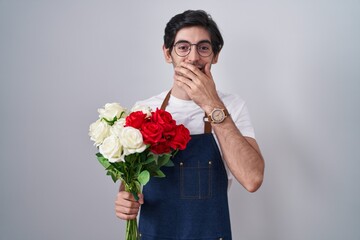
x,y
217,115
208,108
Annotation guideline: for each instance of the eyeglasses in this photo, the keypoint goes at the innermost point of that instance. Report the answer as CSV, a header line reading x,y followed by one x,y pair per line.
x,y
183,48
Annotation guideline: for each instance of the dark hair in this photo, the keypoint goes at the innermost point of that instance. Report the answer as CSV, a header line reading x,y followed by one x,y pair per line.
x,y
191,18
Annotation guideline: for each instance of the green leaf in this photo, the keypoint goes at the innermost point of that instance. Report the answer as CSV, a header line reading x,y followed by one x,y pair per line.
x,y
144,177
163,159
113,175
156,158
110,122
118,165
122,114
103,161
152,168
169,163
175,152
138,186
149,159
160,174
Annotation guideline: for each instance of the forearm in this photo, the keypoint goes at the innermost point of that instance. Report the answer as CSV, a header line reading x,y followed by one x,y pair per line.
x,y
242,154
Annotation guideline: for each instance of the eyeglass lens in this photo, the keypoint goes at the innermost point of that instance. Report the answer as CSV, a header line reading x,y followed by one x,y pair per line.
x,y
183,48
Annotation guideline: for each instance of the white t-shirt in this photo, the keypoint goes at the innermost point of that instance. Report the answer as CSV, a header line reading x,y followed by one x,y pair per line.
x,y
191,115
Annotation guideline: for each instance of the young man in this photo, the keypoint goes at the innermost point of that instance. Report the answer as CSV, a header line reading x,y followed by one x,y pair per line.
x,y
191,202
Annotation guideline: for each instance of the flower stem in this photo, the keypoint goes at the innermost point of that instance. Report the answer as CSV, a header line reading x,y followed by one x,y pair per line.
x,y
132,232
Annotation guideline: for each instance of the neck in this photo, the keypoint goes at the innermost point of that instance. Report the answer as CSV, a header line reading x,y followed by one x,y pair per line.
x,y
179,93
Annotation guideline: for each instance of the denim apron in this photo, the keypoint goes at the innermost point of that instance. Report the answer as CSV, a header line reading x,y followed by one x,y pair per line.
x,y
191,201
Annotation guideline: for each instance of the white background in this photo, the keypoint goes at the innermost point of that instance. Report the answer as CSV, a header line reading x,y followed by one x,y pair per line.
x,y
296,63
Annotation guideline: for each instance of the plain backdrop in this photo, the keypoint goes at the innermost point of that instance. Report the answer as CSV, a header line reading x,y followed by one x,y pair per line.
x,y
296,63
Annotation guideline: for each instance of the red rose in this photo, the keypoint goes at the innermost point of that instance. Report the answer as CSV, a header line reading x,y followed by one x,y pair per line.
x,y
172,136
160,148
135,119
162,117
169,128
169,134
181,137
152,133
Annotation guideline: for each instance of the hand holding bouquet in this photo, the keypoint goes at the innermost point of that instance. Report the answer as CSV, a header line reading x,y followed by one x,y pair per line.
x,y
134,146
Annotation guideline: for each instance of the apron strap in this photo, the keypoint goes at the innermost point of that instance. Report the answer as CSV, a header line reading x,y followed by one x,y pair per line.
x,y
207,125
166,101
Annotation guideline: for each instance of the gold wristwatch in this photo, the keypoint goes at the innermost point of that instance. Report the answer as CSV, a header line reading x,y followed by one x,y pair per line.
x,y
217,115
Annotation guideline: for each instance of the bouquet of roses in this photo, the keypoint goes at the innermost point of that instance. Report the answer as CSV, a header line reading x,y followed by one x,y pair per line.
x,y
134,146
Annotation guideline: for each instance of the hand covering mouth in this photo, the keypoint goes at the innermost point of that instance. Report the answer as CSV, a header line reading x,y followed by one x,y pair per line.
x,y
201,68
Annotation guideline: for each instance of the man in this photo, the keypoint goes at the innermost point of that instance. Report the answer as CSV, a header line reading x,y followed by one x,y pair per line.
x,y
191,202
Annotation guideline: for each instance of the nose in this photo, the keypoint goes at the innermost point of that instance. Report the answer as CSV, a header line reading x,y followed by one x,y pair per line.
x,y
193,56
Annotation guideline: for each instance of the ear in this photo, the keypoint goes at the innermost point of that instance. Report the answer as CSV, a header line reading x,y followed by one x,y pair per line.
x,y
167,54
215,58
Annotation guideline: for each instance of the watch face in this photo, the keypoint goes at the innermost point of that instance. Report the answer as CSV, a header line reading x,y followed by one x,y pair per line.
x,y
217,115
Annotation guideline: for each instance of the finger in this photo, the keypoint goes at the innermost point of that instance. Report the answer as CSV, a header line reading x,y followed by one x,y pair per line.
x,y
184,72
141,198
126,203
124,212
126,216
183,86
126,195
184,81
125,200
193,68
125,209
207,70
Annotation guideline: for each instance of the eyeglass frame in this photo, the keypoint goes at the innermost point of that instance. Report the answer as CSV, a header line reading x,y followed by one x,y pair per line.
x,y
192,44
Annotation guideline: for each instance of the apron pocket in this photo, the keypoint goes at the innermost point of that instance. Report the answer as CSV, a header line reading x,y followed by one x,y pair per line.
x,y
196,181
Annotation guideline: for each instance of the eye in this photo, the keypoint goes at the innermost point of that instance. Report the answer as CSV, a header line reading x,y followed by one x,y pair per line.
x,y
183,47
204,47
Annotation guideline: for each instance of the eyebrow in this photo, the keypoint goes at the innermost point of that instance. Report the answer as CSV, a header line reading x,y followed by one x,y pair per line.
x,y
201,41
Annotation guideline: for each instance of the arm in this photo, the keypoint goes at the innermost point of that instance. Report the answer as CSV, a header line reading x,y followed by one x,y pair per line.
x,y
242,154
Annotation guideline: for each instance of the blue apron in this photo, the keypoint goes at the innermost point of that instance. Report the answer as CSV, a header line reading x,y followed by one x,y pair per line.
x,y
191,201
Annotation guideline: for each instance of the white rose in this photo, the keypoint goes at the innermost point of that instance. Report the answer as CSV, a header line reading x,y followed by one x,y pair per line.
x,y
111,149
132,140
98,131
110,111
117,127
145,109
